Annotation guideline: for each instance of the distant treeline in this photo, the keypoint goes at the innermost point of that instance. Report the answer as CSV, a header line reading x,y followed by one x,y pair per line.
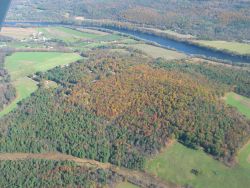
x,y
223,20
7,91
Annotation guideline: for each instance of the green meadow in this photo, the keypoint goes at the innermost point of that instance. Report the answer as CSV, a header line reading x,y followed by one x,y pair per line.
x,y
177,162
240,102
69,35
156,52
126,185
24,87
237,47
184,166
22,64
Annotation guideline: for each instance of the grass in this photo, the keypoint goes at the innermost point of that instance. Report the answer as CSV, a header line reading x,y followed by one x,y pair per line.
x,y
236,47
172,33
126,185
240,102
156,52
21,64
175,165
24,87
68,35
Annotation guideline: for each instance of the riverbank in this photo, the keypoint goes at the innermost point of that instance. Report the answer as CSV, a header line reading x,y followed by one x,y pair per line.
x,y
162,39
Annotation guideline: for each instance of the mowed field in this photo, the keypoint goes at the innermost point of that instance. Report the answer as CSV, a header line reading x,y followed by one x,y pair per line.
x,y
236,47
22,64
18,33
126,185
177,162
156,52
69,35
240,102
24,87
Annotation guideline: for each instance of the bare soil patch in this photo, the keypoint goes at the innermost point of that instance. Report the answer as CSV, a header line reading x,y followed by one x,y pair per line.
x,y
18,33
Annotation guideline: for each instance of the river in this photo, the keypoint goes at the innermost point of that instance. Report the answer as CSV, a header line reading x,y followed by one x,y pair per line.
x,y
180,46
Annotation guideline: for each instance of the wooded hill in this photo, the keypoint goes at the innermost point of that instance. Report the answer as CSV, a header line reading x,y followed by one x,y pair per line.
x,y
224,19
123,107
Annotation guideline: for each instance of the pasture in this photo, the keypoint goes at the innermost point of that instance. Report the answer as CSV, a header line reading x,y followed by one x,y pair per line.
x,y
24,87
126,185
181,165
69,35
235,47
240,102
22,64
156,52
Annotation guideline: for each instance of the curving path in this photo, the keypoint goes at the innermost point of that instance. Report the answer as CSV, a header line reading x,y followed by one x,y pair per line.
x,y
138,178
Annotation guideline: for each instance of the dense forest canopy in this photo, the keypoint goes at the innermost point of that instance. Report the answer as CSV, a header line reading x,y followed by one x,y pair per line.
x,y
225,19
121,108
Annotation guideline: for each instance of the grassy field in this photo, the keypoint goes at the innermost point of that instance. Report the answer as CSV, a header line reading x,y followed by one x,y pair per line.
x,y
240,102
18,33
172,33
24,87
239,48
67,34
156,52
126,185
177,162
21,64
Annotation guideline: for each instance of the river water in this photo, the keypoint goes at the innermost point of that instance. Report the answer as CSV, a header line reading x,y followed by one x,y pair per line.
x,y
184,47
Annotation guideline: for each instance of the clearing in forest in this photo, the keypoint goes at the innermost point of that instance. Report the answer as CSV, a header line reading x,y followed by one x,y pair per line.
x,y
182,165
240,102
22,64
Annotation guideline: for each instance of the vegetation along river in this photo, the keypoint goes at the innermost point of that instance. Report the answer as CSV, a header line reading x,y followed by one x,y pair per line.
x,y
181,46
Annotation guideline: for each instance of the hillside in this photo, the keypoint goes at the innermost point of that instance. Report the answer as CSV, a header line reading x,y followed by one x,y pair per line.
x,y
109,110
226,19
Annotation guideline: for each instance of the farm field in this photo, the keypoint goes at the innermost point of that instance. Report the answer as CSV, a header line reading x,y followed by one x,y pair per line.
x,y
177,162
70,35
156,52
126,185
24,87
236,47
171,33
18,33
66,34
240,102
22,64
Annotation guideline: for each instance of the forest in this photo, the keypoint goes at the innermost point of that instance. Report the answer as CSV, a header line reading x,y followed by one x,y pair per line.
x,y
224,20
7,91
232,77
45,173
123,107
